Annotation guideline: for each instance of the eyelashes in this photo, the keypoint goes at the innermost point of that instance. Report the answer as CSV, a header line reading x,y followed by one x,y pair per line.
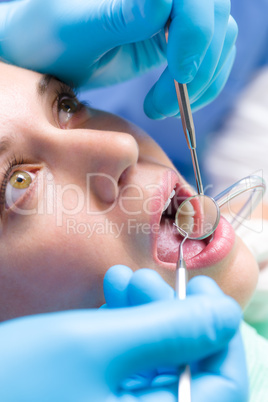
x,y
64,89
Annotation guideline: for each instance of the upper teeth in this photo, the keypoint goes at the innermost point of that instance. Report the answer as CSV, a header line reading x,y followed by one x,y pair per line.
x,y
169,200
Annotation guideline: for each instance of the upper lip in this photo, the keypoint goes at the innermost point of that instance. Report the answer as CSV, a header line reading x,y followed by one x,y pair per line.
x,y
171,180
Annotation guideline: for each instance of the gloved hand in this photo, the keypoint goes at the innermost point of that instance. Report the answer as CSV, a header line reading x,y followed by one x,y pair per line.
x,y
223,373
97,43
86,355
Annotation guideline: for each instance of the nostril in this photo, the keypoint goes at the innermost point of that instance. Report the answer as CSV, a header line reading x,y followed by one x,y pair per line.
x,y
124,176
118,155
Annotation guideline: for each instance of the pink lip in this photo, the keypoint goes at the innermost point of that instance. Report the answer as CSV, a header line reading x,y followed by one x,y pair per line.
x,y
217,249
208,254
170,180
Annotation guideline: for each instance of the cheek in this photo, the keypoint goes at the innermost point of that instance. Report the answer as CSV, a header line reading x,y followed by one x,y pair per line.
x,y
47,270
237,274
243,276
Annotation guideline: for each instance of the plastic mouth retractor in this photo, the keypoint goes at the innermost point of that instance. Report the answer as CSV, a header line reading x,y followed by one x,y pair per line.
x,y
239,201
199,215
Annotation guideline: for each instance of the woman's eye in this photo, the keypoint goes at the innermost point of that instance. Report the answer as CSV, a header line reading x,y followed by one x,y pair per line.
x,y
18,184
67,107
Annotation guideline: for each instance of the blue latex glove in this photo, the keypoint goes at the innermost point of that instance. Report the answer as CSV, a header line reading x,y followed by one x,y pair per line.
x,y
223,373
95,43
86,355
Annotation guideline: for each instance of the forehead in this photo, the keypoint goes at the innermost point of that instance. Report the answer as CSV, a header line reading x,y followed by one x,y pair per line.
x,y
12,76
17,84
18,92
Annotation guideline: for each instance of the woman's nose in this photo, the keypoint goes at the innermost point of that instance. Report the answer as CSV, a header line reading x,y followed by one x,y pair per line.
x,y
112,157
96,157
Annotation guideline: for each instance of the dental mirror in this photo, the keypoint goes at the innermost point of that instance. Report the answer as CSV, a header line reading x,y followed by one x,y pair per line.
x,y
198,216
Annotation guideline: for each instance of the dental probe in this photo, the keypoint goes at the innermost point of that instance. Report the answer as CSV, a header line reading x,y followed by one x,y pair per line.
x,y
184,384
187,123
189,130
181,271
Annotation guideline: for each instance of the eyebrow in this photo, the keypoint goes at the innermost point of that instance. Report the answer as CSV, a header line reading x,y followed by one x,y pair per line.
x,y
43,84
5,144
41,88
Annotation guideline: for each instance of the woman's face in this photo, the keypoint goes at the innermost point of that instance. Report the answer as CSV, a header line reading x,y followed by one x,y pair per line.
x,y
82,190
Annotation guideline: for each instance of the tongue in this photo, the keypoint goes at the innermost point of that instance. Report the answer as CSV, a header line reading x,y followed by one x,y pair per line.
x,y
169,240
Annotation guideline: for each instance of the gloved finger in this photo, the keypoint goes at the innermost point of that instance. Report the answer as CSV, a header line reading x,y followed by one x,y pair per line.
x,y
131,20
217,85
174,333
223,374
190,33
146,286
161,101
212,65
168,393
203,285
122,21
7,9
124,288
115,286
86,32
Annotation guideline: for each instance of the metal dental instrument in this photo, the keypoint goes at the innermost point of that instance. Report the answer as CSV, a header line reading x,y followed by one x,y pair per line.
x,y
184,384
181,270
187,124
198,215
189,130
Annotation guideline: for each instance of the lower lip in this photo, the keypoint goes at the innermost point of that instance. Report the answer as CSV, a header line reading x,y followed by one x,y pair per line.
x,y
197,253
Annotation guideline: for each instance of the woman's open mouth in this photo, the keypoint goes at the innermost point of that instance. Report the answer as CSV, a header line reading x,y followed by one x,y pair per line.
x,y
197,253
